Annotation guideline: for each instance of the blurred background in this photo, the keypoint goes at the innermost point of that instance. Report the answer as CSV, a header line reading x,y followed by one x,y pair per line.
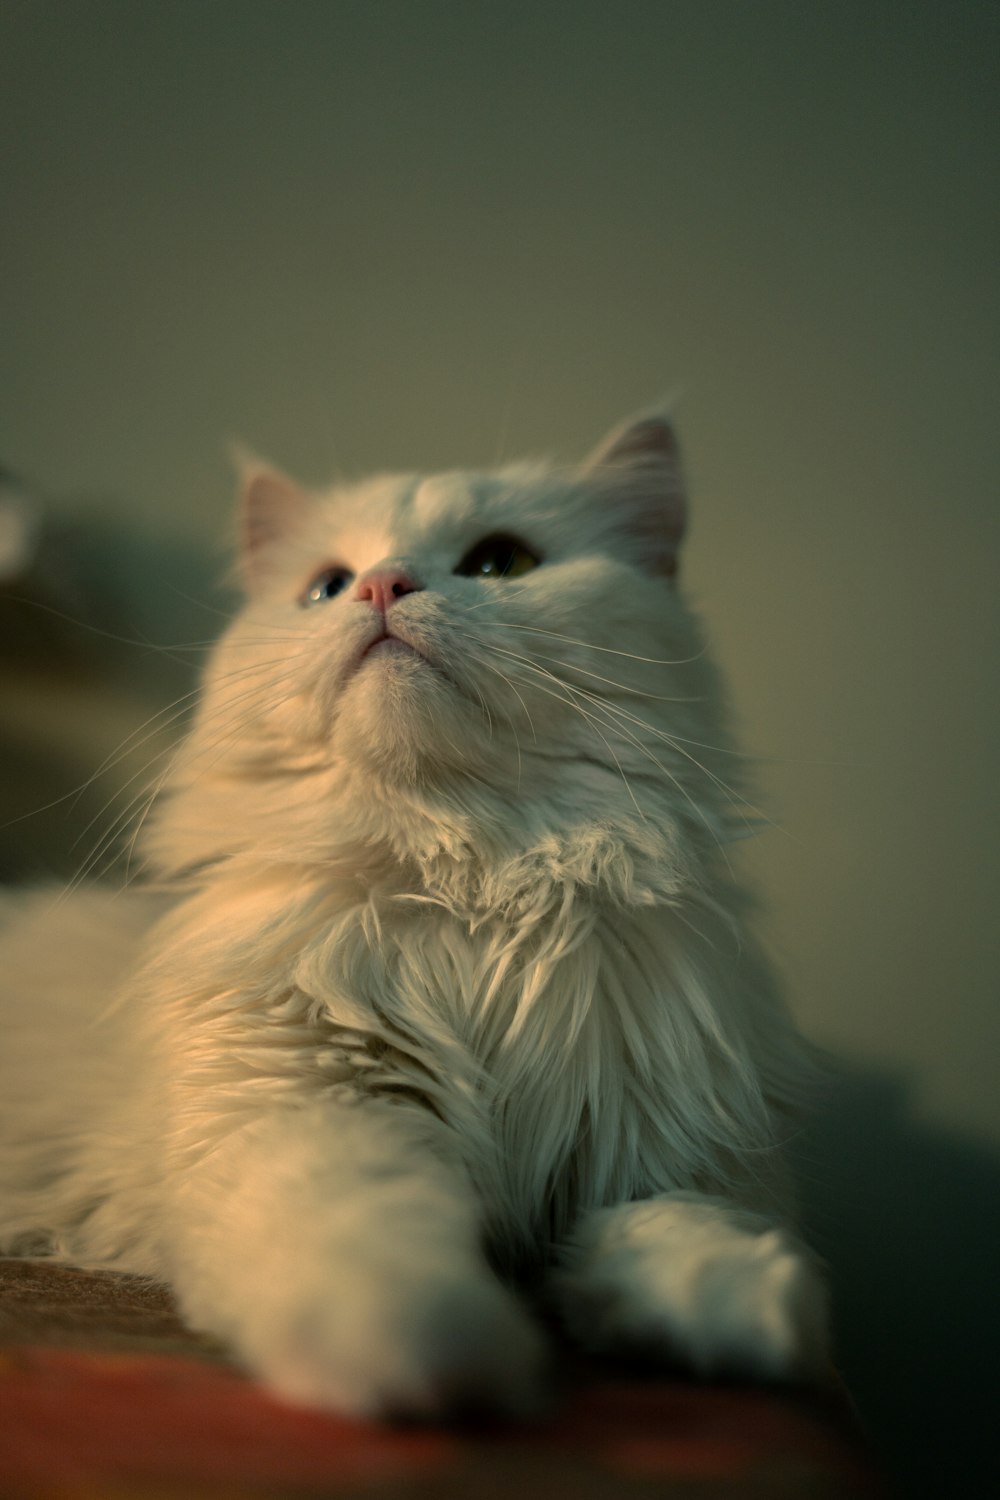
x,y
374,233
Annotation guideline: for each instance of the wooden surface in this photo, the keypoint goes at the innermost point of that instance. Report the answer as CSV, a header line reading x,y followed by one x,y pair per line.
x,y
104,1393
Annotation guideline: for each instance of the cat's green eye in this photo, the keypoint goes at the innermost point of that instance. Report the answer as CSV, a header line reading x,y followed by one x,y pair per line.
x,y
498,557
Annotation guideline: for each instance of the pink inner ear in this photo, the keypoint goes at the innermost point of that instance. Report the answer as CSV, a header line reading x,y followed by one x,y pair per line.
x,y
657,520
272,506
639,466
649,440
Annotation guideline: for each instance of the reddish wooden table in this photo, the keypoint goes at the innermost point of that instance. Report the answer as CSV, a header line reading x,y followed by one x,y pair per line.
x,y
103,1393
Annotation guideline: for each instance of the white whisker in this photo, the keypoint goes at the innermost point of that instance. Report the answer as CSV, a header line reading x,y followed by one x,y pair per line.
x,y
655,661
571,703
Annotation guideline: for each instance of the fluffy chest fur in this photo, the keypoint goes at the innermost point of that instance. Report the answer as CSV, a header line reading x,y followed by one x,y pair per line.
x,y
582,1050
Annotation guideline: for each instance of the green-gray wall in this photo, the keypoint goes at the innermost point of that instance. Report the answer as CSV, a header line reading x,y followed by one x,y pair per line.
x,y
376,234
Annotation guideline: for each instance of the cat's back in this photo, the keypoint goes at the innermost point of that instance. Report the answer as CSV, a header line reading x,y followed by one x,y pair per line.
x,y
59,948
63,958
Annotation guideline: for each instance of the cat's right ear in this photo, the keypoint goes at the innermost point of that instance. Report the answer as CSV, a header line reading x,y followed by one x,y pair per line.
x,y
271,507
639,464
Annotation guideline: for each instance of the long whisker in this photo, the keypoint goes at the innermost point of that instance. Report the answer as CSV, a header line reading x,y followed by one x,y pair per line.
x,y
180,706
655,661
228,616
569,701
221,714
108,635
171,649
738,800
223,740
630,738
127,747
508,595
148,795
510,721
676,742
158,723
622,687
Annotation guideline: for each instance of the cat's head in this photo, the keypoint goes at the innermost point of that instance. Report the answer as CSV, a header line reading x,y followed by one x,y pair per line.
x,y
491,651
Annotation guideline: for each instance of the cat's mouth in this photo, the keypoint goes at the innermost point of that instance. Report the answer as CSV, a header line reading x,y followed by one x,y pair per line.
x,y
388,644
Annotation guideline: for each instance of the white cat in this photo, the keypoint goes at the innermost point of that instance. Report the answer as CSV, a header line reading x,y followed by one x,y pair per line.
x,y
445,989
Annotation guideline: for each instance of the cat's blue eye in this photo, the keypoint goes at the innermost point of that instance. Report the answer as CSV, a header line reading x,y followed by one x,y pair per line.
x,y
498,557
326,585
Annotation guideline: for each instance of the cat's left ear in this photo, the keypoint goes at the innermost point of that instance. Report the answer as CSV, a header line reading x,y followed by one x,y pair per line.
x,y
271,508
639,463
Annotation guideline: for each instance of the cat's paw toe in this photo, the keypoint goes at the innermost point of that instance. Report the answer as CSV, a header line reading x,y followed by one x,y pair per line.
x,y
444,1352
723,1299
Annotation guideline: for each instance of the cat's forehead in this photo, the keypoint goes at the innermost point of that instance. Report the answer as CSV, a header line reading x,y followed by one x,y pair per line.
x,y
405,513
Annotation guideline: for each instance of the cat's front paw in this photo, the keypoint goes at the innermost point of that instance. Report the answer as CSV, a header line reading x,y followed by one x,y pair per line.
x,y
689,1279
437,1350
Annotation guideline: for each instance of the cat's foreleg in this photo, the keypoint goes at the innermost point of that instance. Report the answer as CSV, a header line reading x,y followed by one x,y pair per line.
x,y
694,1279
336,1249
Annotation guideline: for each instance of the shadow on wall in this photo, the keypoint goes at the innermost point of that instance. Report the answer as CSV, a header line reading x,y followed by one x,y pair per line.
x,y
103,629
908,1218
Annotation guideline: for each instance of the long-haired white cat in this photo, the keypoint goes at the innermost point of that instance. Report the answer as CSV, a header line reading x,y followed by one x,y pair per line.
x,y
444,987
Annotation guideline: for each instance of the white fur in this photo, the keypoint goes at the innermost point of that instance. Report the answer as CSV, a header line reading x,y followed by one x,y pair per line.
x,y
451,964
692,1277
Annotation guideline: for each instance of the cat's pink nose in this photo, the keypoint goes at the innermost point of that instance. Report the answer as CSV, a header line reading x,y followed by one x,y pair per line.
x,y
384,585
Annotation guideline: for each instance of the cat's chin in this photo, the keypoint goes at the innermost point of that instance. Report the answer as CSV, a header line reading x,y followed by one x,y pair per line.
x,y
401,720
